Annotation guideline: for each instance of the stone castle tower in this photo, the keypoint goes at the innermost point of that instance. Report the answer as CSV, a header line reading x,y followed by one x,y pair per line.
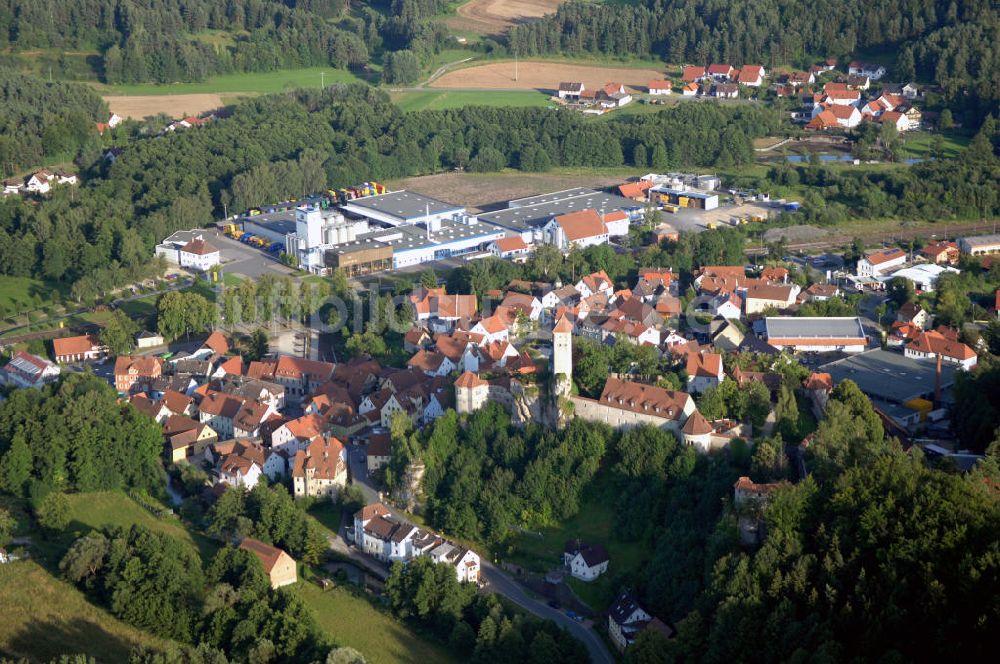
x,y
562,355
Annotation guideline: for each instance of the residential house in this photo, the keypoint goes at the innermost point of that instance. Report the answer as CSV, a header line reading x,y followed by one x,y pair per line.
x,y
693,73
726,90
858,82
697,432
298,433
278,565
690,90
897,119
627,619
821,292
156,410
78,349
914,314
725,335
383,536
584,561
199,255
27,370
751,76
379,451
146,339
583,229
251,415
320,469
704,370
136,373
431,363
833,116
797,78
941,252
759,297
522,304
721,72
727,305
876,263
657,88
300,376
613,95
492,329
873,71
186,438
818,385
570,91
240,463
416,338
624,404
512,248
596,282
933,344
218,410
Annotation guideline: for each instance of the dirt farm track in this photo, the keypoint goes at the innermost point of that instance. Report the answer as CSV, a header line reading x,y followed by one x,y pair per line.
x,y
140,106
544,76
494,16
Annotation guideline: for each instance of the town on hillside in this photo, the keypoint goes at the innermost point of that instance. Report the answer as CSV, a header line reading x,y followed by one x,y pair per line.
x,y
782,336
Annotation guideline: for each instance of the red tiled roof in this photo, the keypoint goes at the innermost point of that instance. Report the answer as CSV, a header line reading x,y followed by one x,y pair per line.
x,y
267,554
469,379
581,225
217,342
199,247
640,398
936,343
884,256
75,345
512,243
696,425
692,73
660,85
704,364
323,456
818,381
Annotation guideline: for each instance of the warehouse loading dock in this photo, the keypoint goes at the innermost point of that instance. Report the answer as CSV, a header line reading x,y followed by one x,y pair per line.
x,y
684,198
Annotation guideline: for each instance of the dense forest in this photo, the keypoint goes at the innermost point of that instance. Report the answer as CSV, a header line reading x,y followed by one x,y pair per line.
x,y
187,40
76,436
43,122
877,554
947,42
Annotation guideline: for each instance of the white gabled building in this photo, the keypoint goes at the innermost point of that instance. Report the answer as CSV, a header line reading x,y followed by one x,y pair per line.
x,y
876,263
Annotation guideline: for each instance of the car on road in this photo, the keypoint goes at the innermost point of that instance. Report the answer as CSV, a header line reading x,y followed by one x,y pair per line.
x,y
554,604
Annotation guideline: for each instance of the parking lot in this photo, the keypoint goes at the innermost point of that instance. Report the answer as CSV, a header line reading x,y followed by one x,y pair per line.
x,y
244,260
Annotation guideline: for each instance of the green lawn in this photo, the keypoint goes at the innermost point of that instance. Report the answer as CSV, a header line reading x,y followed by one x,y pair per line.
x,y
255,82
594,524
436,100
353,621
920,144
45,617
328,515
90,511
19,293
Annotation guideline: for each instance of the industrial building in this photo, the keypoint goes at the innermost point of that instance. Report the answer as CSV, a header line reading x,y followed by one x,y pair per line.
x,y
683,190
815,334
401,208
408,245
528,216
980,245
889,376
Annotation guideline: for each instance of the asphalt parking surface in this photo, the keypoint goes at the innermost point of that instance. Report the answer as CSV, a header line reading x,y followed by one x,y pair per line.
x,y
242,259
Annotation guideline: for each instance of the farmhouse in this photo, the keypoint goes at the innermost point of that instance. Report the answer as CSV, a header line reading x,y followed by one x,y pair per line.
x,y
512,248
585,562
658,88
278,565
693,73
570,91
815,334
751,75
873,71
941,252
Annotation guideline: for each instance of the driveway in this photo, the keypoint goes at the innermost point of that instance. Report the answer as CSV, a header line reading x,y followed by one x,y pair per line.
x,y
239,258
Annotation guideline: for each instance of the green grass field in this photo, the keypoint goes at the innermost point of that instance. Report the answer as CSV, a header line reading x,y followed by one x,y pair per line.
x,y
248,83
920,144
18,293
436,100
594,524
45,617
353,621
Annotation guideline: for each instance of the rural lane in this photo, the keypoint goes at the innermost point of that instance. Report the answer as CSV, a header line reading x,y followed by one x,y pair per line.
x,y
501,583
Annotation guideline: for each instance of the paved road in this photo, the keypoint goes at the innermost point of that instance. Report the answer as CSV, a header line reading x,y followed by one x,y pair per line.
x,y
498,581
501,583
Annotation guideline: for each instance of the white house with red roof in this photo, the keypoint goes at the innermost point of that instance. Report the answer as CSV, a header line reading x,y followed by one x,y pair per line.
x,y
199,255
704,370
721,72
872,71
751,76
596,282
659,88
693,73
512,248
616,222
